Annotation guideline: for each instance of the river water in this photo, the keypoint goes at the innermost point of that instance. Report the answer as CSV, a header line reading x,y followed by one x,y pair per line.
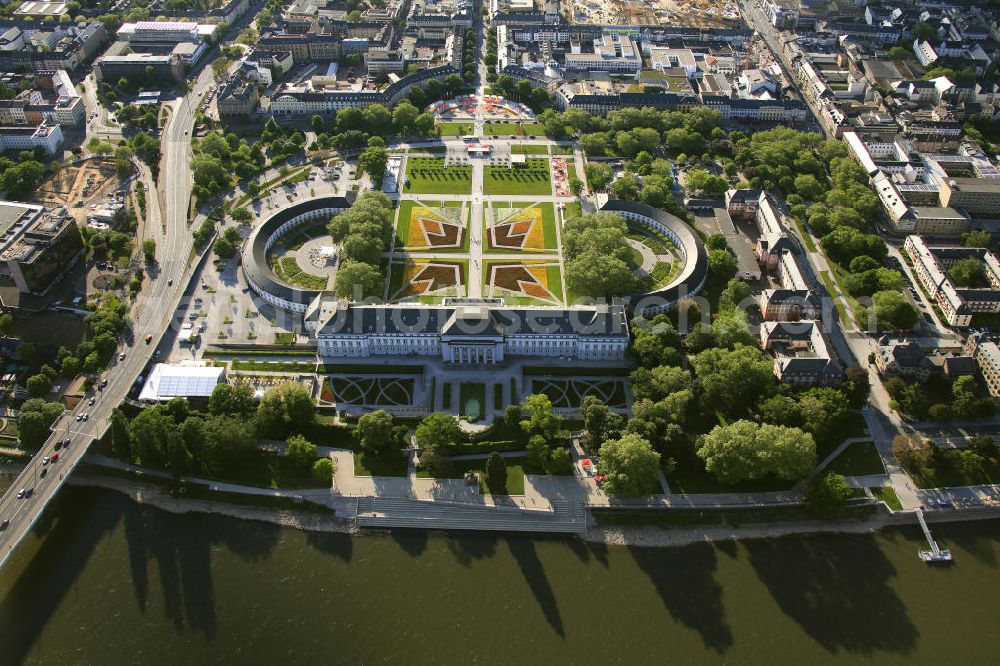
x,y
103,581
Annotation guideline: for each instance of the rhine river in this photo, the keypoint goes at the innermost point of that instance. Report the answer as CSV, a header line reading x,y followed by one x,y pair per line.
x,y
104,581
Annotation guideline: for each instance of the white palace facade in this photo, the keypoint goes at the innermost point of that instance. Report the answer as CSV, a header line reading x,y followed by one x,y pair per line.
x,y
469,331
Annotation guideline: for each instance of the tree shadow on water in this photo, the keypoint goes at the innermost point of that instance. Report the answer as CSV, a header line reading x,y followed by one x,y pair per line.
x,y
836,589
135,531
523,550
584,550
684,578
332,543
181,547
467,547
413,542
72,527
977,539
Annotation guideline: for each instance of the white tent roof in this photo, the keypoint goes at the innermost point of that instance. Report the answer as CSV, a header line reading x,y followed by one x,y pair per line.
x,y
181,381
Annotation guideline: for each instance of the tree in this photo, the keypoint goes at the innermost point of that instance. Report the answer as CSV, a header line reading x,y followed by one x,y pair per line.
x,y
372,161
721,266
357,280
594,145
240,215
300,450
34,421
781,410
976,238
844,243
560,462
178,457
121,441
234,399
631,466
823,411
598,174
6,321
404,116
890,310
538,452
284,408
735,293
149,431
436,462
374,432
745,450
223,248
968,273
716,242
512,414
541,420
437,430
149,250
322,470
495,476
827,496
898,53
38,386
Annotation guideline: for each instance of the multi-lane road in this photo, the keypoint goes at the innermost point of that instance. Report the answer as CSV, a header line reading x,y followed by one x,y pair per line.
x,y
167,223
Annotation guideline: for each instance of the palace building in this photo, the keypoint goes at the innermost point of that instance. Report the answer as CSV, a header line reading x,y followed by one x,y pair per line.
x,y
469,331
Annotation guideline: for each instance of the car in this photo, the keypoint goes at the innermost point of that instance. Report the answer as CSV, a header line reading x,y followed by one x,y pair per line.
x,y
58,445
54,457
21,493
29,492
45,461
170,283
79,417
45,470
121,357
4,524
103,384
149,338
92,401
86,416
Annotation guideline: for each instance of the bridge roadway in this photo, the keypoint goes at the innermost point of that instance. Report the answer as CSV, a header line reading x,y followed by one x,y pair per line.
x,y
151,315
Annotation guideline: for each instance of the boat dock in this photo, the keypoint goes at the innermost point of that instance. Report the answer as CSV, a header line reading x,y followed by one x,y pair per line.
x,y
936,553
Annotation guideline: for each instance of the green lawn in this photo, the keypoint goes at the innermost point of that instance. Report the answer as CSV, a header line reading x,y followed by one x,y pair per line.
x,y
529,178
948,475
269,470
515,473
288,270
562,150
387,465
428,175
472,401
888,495
530,149
572,209
455,129
841,310
513,129
859,458
690,476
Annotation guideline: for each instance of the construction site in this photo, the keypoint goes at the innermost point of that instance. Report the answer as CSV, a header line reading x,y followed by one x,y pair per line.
x,y
698,13
77,185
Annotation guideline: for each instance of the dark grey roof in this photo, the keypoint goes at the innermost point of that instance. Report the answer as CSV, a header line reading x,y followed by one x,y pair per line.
x,y
254,253
492,320
689,280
